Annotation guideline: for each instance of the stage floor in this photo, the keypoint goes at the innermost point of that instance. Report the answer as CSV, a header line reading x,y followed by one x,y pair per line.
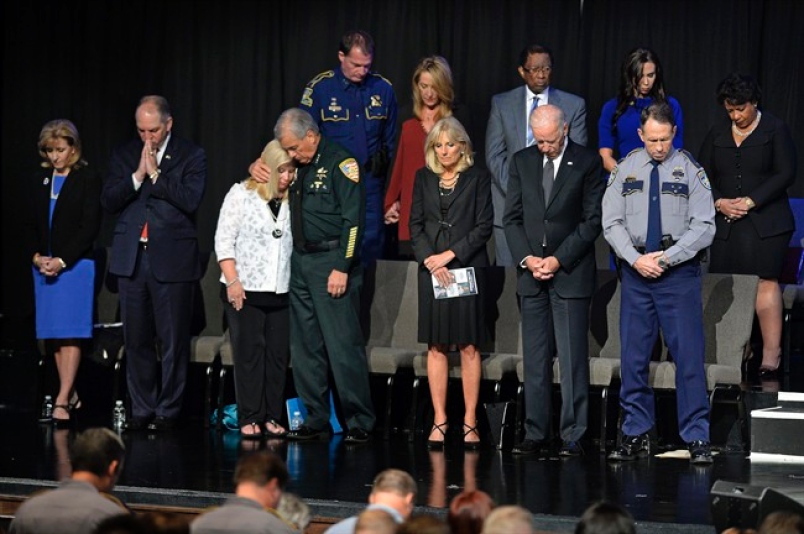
x,y
193,466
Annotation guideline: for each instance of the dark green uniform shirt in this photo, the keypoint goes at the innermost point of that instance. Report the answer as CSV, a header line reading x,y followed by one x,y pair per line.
x,y
330,194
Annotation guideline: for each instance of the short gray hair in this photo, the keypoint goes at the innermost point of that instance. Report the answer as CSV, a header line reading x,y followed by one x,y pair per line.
x,y
295,121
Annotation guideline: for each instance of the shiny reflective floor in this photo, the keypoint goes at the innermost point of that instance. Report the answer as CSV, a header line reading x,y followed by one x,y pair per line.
x,y
197,459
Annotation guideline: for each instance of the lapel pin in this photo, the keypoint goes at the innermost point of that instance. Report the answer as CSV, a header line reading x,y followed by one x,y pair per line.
x,y
46,181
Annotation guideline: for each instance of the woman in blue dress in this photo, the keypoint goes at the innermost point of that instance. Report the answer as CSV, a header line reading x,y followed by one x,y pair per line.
x,y
641,83
64,222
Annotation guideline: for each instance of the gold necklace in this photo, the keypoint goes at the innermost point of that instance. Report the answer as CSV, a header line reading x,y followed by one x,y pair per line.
x,y
448,184
749,132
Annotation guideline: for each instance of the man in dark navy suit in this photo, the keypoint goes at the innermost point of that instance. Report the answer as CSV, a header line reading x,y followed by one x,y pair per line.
x,y
154,186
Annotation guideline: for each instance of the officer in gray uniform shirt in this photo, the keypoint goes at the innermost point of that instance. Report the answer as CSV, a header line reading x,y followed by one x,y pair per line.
x,y
658,216
81,501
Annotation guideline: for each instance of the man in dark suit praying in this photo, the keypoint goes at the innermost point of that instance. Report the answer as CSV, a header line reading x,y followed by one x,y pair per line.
x,y
552,218
154,186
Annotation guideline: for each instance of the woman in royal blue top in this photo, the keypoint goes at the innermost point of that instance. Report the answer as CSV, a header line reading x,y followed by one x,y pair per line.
x,y
641,83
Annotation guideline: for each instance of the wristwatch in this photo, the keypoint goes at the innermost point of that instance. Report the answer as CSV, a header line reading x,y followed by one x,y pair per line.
x,y
750,203
662,261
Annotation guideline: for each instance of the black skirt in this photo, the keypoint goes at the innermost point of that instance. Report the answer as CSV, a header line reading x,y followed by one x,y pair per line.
x,y
459,320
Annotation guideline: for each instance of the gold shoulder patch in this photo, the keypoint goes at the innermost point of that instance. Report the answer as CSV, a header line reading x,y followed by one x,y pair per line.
x,y
350,169
383,78
307,96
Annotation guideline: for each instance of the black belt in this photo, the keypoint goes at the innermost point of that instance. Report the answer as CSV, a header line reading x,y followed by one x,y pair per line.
x,y
319,246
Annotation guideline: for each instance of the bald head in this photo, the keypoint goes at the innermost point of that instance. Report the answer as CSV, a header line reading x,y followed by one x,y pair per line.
x,y
549,130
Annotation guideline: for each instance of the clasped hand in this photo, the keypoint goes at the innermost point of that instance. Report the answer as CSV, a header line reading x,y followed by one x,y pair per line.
x,y
542,268
733,208
148,166
648,266
437,265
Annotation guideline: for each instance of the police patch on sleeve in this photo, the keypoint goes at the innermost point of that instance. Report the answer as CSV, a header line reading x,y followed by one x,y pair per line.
x,y
704,179
612,177
307,97
350,169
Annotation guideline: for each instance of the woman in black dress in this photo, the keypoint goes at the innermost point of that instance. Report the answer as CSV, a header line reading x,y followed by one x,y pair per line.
x,y
450,223
750,160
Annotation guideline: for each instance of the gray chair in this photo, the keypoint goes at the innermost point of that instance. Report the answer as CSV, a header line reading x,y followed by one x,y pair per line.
x,y
393,328
206,344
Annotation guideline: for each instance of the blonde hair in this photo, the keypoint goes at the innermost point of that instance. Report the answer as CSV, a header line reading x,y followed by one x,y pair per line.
x,y
456,133
441,73
61,129
274,156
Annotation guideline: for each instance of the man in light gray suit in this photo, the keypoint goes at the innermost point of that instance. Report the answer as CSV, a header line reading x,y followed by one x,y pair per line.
x,y
508,129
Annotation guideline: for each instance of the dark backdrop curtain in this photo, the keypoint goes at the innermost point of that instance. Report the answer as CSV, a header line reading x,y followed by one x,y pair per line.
x,y
229,68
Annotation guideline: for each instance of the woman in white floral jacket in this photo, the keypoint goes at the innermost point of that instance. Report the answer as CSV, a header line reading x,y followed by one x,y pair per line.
x,y
253,245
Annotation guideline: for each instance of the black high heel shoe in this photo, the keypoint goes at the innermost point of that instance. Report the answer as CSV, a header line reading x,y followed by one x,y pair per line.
x,y
434,444
471,445
767,372
59,422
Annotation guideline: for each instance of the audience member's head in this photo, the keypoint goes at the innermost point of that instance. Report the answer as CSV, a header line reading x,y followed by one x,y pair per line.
x,y
423,524
375,521
468,510
782,522
294,510
510,519
261,476
97,456
394,488
605,518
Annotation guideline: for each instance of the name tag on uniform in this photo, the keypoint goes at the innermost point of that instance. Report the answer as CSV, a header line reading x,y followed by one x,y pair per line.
x,y
633,186
675,189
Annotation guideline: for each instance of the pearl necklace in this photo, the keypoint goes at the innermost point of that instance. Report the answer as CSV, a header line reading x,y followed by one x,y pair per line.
x,y
749,132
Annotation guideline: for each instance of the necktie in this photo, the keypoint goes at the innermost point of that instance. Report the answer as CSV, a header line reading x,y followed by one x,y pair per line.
x,y
529,140
548,177
653,242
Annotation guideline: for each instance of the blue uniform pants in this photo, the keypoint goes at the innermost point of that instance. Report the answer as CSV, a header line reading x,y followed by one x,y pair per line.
x,y
672,302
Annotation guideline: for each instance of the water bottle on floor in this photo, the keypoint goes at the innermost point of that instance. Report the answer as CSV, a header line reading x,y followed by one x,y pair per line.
x,y
119,416
46,415
296,421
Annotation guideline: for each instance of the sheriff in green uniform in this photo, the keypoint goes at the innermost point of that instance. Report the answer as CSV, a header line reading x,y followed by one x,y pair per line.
x,y
327,214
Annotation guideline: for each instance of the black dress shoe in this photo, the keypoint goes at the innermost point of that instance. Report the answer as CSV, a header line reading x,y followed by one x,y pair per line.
x,y
570,448
528,447
136,424
303,433
700,452
161,424
630,448
357,435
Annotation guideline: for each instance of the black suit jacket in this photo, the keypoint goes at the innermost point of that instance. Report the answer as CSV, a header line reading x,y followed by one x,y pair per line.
x,y
468,224
169,206
766,168
76,219
571,218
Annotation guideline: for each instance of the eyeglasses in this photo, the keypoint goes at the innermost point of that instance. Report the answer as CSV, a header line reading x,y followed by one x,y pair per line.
x,y
537,70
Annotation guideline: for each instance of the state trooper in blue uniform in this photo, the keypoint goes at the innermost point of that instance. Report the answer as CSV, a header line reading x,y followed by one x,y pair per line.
x,y
357,109
661,280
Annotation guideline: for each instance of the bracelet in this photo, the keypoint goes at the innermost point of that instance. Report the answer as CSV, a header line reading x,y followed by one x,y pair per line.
x,y
154,175
232,282
36,259
63,265
717,204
